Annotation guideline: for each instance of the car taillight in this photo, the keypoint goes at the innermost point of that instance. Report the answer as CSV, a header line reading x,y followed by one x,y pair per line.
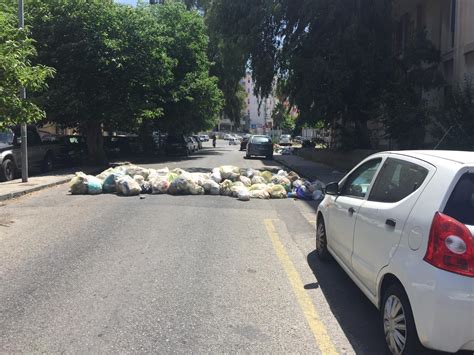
x,y
450,246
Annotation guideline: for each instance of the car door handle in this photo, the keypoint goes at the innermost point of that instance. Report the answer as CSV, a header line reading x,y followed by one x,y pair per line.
x,y
390,222
351,211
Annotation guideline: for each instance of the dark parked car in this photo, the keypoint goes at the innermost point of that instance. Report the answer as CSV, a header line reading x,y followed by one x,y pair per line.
x,y
243,143
73,150
260,146
199,141
178,145
41,155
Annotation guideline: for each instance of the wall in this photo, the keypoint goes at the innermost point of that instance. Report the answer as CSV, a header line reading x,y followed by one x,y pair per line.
x,y
341,160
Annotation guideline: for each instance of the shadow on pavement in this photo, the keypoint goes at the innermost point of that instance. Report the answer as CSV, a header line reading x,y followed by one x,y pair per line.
x,y
206,152
357,317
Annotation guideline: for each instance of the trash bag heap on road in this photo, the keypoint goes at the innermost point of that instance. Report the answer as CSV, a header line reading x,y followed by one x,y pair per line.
x,y
227,180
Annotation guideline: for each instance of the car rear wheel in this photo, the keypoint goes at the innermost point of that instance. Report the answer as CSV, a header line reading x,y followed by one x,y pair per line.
x,y
321,242
7,170
398,322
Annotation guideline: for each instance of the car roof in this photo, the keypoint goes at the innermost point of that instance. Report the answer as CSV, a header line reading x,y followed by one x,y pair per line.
x,y
436,157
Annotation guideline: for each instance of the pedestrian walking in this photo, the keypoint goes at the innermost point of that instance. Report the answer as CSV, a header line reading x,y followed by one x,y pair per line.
x,y
214,139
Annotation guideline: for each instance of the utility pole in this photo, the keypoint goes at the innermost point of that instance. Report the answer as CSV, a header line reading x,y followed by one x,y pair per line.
x,y
24,129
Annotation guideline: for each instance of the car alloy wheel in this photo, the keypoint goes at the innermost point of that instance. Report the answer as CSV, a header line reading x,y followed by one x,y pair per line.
x,y
395,325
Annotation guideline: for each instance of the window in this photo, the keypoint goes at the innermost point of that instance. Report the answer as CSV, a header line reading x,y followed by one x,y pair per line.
x,y
357,184
397,180
461,202
261,139
32,138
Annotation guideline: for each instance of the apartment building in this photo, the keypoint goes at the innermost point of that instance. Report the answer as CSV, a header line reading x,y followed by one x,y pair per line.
x,y
449,25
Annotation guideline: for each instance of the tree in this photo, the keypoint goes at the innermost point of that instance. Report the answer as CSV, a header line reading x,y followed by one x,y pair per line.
x,y
335,57
194,100
16,71
121,67
454,123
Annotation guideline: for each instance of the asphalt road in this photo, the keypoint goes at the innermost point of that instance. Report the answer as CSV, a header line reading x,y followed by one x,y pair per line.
x,y
169,274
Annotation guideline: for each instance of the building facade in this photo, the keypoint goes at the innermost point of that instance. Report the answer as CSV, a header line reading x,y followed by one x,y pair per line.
x,y
449,25
258,112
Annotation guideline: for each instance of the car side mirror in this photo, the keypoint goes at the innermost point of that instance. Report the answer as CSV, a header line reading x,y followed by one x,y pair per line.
x,y
332,188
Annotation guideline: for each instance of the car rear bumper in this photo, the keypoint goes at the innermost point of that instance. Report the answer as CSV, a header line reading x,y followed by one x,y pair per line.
x,y
443,308
259,152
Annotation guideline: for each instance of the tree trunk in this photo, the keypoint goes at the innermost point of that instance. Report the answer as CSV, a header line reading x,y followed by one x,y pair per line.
x,y
95,143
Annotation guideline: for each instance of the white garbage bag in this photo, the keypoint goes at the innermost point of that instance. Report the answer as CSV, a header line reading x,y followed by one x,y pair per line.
x,y
127,186
243,194
245,180
160,185
258,180
211,187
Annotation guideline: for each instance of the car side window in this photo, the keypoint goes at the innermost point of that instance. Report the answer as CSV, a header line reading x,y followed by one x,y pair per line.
x,y
357,184
397,180
32,138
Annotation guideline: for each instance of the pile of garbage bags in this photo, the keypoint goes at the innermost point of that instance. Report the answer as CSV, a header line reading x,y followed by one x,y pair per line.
x,y
244,184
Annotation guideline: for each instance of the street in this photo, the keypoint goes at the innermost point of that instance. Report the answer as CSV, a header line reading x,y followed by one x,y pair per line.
x,y
172,274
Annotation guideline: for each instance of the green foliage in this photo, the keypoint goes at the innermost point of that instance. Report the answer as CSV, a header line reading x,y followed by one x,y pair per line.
x,y
282,118
120,67
335,60
454,124
16,71
403,110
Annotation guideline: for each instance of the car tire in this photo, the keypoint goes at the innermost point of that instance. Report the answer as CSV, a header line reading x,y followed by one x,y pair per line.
x,y
396,314
321,242
270,157
247,156
7,170
48,163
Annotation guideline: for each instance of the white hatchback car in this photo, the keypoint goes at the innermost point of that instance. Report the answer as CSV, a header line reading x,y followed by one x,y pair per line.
x,y
401,225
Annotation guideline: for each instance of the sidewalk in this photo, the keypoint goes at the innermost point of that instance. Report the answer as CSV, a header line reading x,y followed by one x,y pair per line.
x,y
15,188
309,169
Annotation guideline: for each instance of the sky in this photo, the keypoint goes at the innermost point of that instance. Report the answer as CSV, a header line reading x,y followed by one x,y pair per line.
x,y
128,2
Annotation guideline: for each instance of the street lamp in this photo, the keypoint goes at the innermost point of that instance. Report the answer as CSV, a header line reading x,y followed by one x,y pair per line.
x,y
24,143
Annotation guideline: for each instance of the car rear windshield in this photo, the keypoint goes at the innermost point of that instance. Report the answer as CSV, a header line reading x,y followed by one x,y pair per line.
x,y
260,140
461,202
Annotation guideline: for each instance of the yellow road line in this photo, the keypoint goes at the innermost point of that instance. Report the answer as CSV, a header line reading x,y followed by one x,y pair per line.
x,y
320,333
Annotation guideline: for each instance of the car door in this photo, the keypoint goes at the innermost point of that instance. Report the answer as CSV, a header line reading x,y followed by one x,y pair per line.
x,y
343,211
382,217
35,151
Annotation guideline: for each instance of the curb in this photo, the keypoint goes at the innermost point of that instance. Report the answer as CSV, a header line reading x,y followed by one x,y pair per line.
x,y
17,194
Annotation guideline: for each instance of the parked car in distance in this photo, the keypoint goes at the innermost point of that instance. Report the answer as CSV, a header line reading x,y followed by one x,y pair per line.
x,y
198,141
234,141
204,137
244,141
178,145
73,150
227,136
285,139
401,225
259,145
195,143
41,155
298,139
